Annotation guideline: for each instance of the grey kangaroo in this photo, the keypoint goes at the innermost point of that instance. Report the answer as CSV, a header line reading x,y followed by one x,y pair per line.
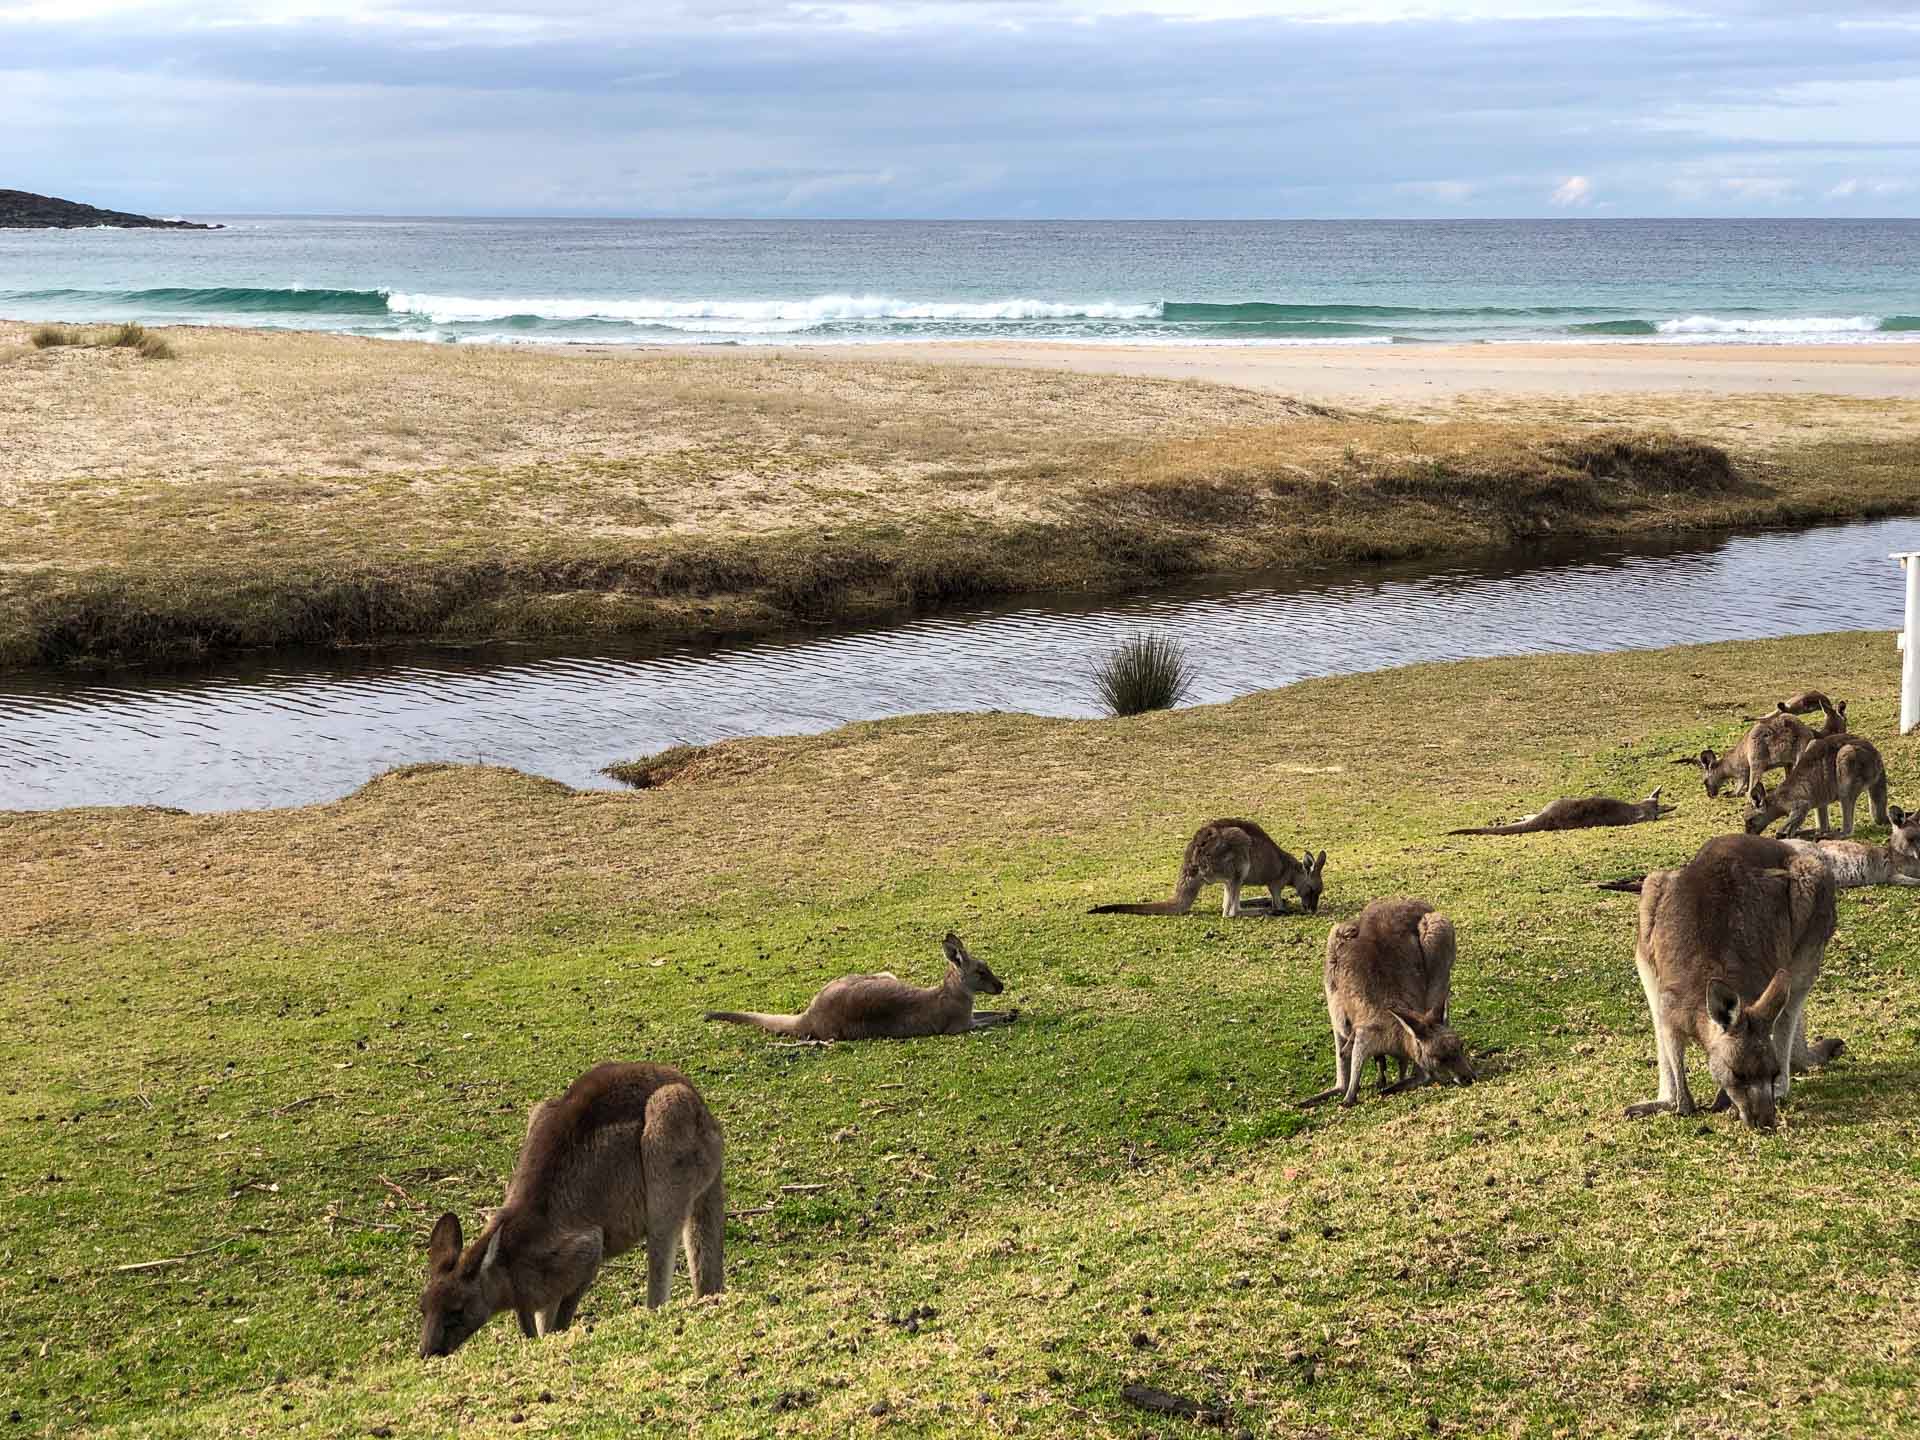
x,y
629,1154
1388,976
1236,853
1774,743
1805,702
1854,863
1834,767
885,1007
1587,813
1728,951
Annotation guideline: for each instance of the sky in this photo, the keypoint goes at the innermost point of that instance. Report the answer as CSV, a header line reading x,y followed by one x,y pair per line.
x,y
967,108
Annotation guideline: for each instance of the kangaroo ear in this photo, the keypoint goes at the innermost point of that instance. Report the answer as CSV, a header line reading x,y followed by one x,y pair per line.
x,y
1723,1006
1654,798
1707,758
1413,1024
492,1257
1897,815
1320,862
443,1246
1757,796
1773,999
1781,706
955,950
1437,1016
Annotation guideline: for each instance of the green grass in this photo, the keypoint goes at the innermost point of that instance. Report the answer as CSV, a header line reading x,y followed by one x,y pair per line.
x,y
274,1045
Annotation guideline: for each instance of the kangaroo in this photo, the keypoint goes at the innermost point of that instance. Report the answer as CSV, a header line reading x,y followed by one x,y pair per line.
x,y
885,1007
1236,853
629,1154
1774,743
1729,947
1834,767
1388,976
1853,862
1586,813
1805,702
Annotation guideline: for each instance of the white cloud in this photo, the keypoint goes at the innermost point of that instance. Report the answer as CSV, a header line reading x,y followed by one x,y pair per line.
x,y
1763,189
1575,192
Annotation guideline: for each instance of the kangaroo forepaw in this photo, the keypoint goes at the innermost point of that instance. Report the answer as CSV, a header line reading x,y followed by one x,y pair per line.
x,y
1721,1101
1648,1107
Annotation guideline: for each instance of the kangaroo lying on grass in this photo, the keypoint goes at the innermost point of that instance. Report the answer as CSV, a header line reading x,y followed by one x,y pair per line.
x,y
629,1153
1854,863
1774,743
1236,853
1388,976
1729,948
1590,812
1834,767
885,1007
1805,702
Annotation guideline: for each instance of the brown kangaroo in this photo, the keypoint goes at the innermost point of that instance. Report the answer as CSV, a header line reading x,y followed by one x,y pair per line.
x,y
1236,853
1774,743
885,1007
1586,813
629,1154
1728,950
1388,976
1834,767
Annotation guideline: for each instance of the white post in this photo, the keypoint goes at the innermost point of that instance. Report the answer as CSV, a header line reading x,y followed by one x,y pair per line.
x,y
1910,643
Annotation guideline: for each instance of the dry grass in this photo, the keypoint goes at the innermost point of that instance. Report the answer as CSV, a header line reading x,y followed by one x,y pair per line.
x,y
221,1032
269,489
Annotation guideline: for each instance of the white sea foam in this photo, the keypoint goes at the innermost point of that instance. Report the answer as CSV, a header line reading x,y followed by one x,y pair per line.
x,y
1771,325
754,316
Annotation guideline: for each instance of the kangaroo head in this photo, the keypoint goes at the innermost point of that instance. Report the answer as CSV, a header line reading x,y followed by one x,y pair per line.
x,y
1309,883
461,1291
1761,810
1905,839
976,977
1652,807
1740,1050
1434,1045
1837,719
1708,760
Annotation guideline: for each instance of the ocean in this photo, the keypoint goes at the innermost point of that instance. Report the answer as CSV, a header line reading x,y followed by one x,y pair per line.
x,y
642,282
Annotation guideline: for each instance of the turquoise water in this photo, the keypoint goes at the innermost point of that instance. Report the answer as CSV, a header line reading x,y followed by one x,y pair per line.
x,y
855,282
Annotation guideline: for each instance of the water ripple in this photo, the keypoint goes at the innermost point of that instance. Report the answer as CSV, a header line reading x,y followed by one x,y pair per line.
x,y
278,731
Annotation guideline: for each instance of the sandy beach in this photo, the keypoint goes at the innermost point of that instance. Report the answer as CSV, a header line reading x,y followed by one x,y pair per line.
x,y
267,487
1401,375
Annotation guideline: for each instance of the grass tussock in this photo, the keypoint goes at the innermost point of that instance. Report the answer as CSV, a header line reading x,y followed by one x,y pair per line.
x,y
52,337
1142,673
142,341
284,1041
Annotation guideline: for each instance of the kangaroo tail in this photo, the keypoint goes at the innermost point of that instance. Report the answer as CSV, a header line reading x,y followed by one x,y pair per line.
x,y
705,1236
1629,884
1877,792
1184,894
1496,830
778,1024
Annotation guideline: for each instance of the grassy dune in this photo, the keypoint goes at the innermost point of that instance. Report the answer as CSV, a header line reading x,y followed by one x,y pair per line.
x,y
268,1047
262,489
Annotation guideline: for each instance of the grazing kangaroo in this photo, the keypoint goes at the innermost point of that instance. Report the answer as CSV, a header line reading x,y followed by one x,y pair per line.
x,y
1388,976
629,1154
1729,947
1808,701
1236,853
1587,813
1834,767
885,1007
1854,863
1774,743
